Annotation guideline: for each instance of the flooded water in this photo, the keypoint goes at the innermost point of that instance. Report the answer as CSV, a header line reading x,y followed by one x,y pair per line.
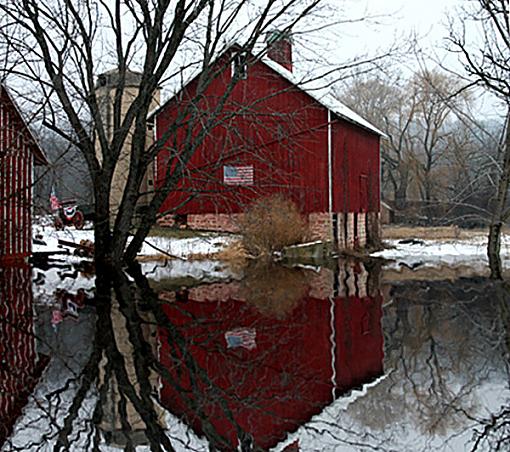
x,y
348,356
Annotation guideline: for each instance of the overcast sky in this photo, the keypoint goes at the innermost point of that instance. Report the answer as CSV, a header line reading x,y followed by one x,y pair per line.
x,y
394,21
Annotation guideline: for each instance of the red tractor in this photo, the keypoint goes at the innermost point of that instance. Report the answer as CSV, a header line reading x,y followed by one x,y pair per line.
x,y
68,214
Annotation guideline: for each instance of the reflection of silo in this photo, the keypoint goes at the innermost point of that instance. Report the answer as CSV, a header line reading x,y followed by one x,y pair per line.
x,y
106,87
114,414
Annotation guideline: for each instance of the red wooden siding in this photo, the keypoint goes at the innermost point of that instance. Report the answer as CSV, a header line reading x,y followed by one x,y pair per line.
x,y
17,153
319,351
355,158
283,133
20,364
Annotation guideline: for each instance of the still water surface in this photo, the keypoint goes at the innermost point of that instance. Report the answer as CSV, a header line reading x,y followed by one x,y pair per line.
x,y
340,358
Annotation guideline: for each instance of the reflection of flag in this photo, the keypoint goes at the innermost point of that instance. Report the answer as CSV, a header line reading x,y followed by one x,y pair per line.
x,y
241,337
54,202
238,175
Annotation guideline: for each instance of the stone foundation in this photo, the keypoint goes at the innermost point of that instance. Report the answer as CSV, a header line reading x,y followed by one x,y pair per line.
x,y
214,222
321,226
221,222
348,230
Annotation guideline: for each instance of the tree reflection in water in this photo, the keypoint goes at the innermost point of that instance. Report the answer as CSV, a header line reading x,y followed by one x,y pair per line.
x,y
272,359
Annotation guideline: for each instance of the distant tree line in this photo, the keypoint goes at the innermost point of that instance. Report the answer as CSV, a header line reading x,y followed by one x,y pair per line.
x,y
439,158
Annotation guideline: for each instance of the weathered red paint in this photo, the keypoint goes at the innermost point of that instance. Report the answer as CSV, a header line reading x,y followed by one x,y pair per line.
x,y
301,363
283,133
18,153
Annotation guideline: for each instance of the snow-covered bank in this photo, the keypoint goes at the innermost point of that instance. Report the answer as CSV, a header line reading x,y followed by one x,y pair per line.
x,y
433,253
153,246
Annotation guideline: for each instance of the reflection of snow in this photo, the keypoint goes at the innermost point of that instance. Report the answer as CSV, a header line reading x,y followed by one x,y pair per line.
x,y
338,427
46,282
69,347
471,252
205,271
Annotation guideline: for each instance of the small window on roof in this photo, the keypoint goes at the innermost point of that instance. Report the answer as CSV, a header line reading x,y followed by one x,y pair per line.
x,y
150,123
240,66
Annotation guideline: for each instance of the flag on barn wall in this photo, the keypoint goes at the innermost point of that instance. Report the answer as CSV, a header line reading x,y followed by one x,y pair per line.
x,y
241,337
54,202
238,175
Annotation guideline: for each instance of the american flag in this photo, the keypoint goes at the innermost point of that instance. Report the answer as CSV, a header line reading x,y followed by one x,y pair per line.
x,y
54,202
238,175
241,337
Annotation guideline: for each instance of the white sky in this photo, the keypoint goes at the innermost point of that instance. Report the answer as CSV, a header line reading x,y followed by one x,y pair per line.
x,y
391,21
395,21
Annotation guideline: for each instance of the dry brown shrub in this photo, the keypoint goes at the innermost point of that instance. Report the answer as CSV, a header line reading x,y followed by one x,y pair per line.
x,y
271,224
234,252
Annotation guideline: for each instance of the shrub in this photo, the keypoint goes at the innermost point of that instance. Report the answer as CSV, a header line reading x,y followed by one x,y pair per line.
x,y
271,224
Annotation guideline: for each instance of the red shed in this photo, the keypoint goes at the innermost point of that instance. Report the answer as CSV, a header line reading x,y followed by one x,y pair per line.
x,y
271,133
19,152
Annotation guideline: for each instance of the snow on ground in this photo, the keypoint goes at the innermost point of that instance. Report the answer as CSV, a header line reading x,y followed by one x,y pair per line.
x,y
183,248
153,246
472,252
50,236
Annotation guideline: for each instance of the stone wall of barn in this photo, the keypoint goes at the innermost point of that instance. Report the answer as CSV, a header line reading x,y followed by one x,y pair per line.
x,y
349,230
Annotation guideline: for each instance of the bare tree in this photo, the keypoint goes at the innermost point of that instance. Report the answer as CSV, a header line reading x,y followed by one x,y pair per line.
x,y
417,115
62,45
489,66
384,101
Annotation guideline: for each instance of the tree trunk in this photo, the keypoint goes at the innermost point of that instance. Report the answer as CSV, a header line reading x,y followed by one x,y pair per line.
x,y
401,191
493,251
498,216
103,253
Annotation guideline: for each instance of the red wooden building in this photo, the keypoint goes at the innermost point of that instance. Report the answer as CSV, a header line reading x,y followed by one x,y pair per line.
x,y
274,134
234,366
19,152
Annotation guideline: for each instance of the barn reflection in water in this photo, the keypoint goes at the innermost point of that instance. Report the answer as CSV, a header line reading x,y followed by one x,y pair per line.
x,y
274,354
244,362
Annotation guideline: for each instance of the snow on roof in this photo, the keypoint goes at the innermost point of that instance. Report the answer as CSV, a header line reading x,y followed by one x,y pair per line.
x,y
319,94
323,97
39,155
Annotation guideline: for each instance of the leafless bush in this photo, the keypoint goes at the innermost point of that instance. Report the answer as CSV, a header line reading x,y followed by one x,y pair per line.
x,y
271,224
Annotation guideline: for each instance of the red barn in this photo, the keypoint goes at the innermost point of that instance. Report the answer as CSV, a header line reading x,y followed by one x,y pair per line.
x,y
19,152
270,134
233,364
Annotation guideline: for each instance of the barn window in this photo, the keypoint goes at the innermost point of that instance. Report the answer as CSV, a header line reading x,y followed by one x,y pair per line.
x,y
240,66
150,123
